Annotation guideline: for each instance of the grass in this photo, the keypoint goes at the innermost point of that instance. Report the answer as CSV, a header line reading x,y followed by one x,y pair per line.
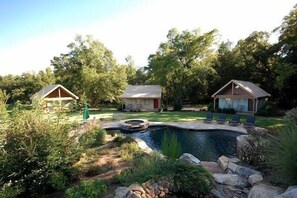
x,y
173,116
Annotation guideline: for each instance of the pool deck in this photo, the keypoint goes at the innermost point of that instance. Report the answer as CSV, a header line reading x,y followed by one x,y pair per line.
x,y
198,125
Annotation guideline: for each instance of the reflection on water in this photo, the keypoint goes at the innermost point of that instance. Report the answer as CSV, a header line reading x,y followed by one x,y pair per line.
x,y
205,145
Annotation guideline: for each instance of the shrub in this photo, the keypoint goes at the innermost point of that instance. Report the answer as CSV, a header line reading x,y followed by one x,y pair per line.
x,y
255,153
170,146
269,109
145,168
210,107
36,154
120,107
87,188
188,179
192,180
228,111
93,137
283,153
128,150
177,106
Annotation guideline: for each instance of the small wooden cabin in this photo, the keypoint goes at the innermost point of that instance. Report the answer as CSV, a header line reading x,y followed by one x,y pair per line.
x,y
243,96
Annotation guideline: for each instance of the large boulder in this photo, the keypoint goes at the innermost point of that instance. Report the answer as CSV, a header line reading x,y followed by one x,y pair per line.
x,y
189,159
254,179
223,162
245,171
122,192
265,190
232,167
291,192
230,179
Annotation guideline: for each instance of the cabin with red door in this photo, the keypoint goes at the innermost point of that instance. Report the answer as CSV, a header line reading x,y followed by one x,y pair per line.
x,y
142,98
55,96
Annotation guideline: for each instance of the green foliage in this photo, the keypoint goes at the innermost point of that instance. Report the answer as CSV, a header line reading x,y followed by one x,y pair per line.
x,y
36,154
93,137
283,153
121,139
182,64
128,150
22,87
255,153
177,106
269,109
145,168
170,146
192,180
87,189
188,179
89,69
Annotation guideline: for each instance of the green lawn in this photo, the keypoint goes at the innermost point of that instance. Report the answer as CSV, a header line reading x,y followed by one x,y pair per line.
x,y
172,116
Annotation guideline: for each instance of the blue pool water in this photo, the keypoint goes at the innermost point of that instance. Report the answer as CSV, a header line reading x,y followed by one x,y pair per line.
x,y
205,145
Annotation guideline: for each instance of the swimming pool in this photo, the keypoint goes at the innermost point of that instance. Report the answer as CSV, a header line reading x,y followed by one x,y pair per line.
x,y
206,145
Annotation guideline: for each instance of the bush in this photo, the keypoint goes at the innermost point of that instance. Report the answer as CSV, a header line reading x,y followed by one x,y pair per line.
x,y
192,180
36,155
269,109
255,153
170,146
187,179
177,107
283,153
93,137
128,150
120,107
93,188
145,168
210,107
228,111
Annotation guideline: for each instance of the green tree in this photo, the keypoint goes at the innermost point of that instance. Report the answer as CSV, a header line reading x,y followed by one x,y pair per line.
x,y
89,69
183,64
286,66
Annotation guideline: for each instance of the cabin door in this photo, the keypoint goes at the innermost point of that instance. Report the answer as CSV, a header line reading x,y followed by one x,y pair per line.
x,y
156,104
250,105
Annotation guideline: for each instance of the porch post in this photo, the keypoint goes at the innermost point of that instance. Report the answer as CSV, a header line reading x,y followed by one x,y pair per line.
x,y
253,106
214,103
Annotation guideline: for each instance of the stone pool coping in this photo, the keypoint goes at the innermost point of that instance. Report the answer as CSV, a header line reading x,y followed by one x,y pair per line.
x,y
198,125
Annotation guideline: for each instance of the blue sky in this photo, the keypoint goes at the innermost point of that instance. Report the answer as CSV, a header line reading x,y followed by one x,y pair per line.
x,y
33,32
21,19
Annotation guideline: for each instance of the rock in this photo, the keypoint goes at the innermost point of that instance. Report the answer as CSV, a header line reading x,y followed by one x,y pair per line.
x,y
264,190
242,142
162,194
136,187
234,160
245,171
122,192
143,146
189,159
232,167
223,191
134,195
291,192
223,162
212,167
230,179
254,179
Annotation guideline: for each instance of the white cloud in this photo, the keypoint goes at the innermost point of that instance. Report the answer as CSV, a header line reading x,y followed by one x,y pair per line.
x,y
139,31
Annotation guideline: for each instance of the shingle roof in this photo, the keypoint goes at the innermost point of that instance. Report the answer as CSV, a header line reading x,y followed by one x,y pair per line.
x,y
142,91
49,89
249,87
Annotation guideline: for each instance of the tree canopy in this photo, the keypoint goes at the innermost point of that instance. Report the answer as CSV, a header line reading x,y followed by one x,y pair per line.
x,y
90,71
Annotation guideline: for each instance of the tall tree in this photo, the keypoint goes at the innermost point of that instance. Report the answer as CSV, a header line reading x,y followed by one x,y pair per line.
x,y
287,64
89,69
183,64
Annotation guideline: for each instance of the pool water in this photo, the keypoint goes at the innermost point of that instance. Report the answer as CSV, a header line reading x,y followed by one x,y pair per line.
x,y
205,145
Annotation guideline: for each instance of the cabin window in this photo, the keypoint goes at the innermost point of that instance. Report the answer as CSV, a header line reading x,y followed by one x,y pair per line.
x,y
146,101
